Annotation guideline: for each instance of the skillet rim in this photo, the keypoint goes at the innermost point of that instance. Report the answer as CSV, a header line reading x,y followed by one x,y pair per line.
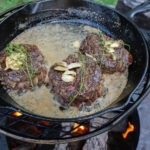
x,y
87,117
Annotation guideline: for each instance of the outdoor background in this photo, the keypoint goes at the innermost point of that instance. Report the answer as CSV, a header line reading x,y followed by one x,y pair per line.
x,y
6,4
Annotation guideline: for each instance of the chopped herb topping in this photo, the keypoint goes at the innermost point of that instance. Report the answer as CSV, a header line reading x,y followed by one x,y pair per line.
x,y
127,46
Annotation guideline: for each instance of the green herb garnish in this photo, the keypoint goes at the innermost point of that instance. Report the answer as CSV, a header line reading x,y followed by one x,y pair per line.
x,y
104,49
27,65
126,45
82,78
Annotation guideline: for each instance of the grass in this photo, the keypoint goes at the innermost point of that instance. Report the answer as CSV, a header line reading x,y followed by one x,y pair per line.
x,y
107,2
6,4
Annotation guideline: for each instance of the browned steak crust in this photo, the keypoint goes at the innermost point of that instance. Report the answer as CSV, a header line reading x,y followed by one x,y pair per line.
x,y
92,85
92,45
16,79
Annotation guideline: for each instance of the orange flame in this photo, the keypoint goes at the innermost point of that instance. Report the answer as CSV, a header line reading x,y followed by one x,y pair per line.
x,y
79,129
129,129
17,114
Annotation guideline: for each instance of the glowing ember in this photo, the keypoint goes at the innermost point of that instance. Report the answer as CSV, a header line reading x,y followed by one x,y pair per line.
x,y
35,130
44,122
79,129
17,114
129,129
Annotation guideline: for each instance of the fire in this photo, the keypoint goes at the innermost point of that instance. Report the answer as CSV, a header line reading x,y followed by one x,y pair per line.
x,y
17,114
129,129
79,129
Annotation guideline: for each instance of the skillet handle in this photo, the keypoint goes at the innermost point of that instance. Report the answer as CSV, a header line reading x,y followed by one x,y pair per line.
x,y
144,7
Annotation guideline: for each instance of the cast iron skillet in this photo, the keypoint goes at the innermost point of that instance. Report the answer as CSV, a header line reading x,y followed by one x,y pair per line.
x,y
108,20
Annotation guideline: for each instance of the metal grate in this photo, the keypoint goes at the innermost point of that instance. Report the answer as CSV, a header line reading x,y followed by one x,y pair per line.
x,y
27,128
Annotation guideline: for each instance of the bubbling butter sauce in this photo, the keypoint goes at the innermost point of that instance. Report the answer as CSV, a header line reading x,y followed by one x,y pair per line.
x,y
56,42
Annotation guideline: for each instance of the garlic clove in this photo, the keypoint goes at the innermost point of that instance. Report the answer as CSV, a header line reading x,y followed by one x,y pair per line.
x,y
60,68
67,78
14,61
115,44
112,44
68,72
63,64
111,50
74,65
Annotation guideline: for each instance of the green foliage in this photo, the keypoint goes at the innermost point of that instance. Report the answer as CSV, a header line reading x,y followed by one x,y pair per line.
x,y
6,4
107,2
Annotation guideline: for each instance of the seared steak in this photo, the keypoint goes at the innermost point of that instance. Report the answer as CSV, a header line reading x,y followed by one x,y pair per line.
x,y
17,79
110,59
92,82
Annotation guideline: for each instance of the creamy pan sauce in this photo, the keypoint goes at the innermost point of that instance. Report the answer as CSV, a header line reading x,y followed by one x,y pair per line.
x,y
56,42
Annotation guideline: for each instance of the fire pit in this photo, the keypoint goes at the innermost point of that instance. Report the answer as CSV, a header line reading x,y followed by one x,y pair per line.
x,y
123,136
